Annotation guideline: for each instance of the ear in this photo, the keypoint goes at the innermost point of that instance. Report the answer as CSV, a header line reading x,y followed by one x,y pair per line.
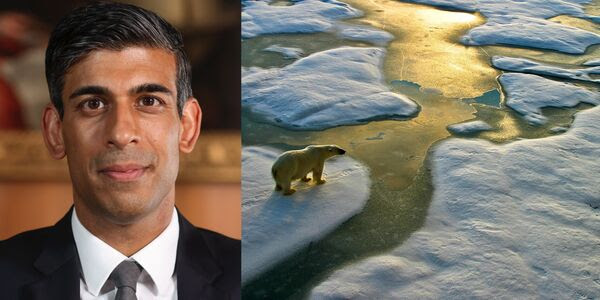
x,y
52,132
191,118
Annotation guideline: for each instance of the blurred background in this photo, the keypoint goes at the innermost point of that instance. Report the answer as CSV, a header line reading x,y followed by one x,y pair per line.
x,y
35,190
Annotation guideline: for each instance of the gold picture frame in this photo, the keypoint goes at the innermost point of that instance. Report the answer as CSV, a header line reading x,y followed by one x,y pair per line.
x,y
215,159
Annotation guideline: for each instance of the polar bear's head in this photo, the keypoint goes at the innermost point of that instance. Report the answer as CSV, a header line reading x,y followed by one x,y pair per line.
x,y
327,151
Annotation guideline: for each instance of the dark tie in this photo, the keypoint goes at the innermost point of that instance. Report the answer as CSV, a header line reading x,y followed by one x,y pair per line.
x,y
125,277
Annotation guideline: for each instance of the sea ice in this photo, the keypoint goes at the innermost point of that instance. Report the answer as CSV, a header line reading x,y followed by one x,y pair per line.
x,y
558,129
469,127
529,66
531,32
543,9
592,62
364,33
527,94
276,226
258,17
523,23
287,52
517,221
464,5
342,86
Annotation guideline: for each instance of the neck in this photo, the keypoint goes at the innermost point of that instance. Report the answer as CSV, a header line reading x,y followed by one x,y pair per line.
x,y
128,238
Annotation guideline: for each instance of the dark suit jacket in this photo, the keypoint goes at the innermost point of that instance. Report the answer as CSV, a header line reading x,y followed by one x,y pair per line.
x,y
43,264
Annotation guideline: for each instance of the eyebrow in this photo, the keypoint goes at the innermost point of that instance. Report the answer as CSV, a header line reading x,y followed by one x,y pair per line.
x,y
104,91
90,90
150,88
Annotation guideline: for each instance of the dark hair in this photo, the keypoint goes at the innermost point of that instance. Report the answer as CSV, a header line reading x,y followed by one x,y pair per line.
x,y
113,26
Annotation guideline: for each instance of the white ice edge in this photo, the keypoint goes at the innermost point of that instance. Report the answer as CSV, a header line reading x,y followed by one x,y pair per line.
x,y
276,226
521,220
341,86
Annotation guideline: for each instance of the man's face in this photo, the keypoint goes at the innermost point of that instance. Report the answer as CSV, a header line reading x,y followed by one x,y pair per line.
x,y
121,131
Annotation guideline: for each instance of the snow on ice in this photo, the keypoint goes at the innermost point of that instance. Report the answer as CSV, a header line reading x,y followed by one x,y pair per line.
x,y
342,86
287,52
258,17
531,32
469,127
592,62
364,33
276,226
520,220
524,24
529,66
527,94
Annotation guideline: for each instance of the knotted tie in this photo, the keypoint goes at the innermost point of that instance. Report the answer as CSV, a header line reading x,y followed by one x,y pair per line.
x,y
125,277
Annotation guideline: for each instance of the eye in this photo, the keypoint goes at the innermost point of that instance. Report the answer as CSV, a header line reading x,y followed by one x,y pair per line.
x,y
92,104
149,101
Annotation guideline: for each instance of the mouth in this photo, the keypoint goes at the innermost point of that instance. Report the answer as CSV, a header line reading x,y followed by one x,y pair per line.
x,y
123,172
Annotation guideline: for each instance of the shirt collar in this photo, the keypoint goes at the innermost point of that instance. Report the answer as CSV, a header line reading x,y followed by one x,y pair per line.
x,y
98,259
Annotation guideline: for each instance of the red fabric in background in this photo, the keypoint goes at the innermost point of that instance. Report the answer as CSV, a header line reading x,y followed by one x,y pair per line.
x,y
10,109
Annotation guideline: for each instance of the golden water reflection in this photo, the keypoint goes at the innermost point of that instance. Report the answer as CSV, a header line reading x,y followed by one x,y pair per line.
x,y
393,150
426,49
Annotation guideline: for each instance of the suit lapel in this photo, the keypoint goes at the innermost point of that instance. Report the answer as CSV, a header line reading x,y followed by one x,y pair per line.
x,y
59,265
195,265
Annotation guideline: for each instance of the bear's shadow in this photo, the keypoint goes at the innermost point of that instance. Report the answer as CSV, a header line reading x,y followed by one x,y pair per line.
x,y
298,205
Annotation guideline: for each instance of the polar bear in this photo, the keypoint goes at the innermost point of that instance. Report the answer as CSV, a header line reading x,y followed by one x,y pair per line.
x,y
296,164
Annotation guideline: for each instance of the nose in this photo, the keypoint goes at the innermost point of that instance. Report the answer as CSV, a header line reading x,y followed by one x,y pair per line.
x,y
342,151
121,127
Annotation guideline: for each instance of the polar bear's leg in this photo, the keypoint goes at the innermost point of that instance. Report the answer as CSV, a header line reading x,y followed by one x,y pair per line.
x,y
287,188
305,178
277,187
317,174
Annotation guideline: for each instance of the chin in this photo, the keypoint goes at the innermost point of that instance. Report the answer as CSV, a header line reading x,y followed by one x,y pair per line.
x,y
126,208
126,202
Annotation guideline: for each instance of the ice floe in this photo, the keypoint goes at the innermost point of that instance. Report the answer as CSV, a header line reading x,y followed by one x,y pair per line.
x,y
276,226
364,33
469,127
287,52
464,5
342,86
524,24
529,66
543,9
305,16
527,94
558,129
592,62
531,32
258,17
517,221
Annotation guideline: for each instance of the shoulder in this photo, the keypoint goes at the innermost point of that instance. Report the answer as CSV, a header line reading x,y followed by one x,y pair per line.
x,y
225,250
17,257
218,240
23,247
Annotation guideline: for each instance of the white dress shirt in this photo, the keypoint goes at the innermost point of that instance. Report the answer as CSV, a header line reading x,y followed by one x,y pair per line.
x,y
98,259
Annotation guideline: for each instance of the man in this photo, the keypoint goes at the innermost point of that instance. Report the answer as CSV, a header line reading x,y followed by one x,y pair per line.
x,y
122,109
